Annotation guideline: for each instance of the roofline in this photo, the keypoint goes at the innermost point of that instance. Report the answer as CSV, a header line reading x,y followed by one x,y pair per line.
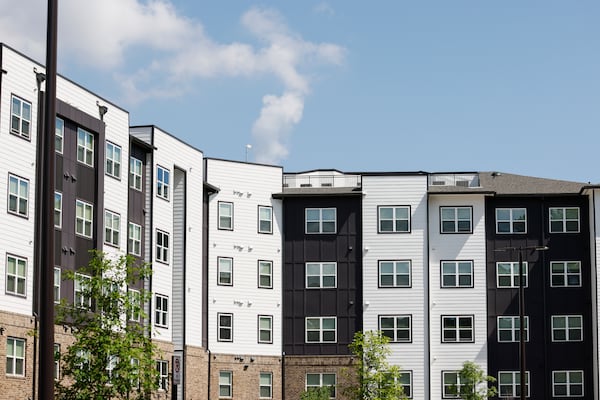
x,y
244,162
154,127
283,195
482,192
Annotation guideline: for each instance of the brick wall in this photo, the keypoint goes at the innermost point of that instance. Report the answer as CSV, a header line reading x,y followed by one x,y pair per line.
x,y
296,368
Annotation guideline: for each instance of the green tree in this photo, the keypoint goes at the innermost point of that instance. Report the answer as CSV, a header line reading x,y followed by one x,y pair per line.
x,y
112,356
373,377
474,383
316,393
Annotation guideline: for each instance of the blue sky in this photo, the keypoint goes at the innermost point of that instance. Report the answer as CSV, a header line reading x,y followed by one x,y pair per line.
x,y
511,85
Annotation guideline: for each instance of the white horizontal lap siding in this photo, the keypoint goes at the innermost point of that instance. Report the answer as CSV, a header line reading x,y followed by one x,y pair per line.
x,y
246,186
457,301
397,191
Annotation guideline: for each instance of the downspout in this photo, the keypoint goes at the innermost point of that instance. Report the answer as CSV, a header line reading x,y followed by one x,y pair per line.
x,y
427,315
184,284
594,289
209,359
150,187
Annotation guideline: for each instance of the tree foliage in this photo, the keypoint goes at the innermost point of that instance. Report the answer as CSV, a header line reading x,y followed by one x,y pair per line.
x,y
316,393
474,383
112,356
374,378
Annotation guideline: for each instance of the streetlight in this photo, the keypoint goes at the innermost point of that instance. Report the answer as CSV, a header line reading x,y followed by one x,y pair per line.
x,y
522,372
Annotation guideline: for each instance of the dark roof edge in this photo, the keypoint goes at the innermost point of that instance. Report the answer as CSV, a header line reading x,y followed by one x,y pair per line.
x,y
244,162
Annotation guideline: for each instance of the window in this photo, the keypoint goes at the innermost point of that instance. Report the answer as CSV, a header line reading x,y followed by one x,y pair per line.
x,y
321,380
135,373
15,357
57,273
84,217
83,359
511,220
394,219
225,216
507,274
565,273
567,328
20,122
59,135
509,329
225,271
564,219
18,195
265,274
82,292
135,173
56,361
321,329
161,311
457,274
225,384
112,227
134,239
321,275
162,366
113,160
57,210
509,384
265,219
321,220
395,273
224,327
135,305
396,327
111,364
457,328
456,220
265,329
567,383
162,182
265,385
162,246
451,384
16,275
85,147
406,382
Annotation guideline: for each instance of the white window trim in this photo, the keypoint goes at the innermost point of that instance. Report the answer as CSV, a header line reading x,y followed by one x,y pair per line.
x,y
456,220
395,328
395,274
162,251
163,187
79,287
456,274
270,275
229,205
56,361
161,316
13,358
135,300
112,228
566,328
86,146
58,210
228,384
564,219
320,330
565,274
408,373
134,176
115,161
511,221
17,278
516,382
57,274
59,133
514,329
270,220
20,132
514,274
162,366
568,383
270,318
18,196
219,327
132,240
394,219
444,385
220,270
458,329
320,221
321,275
261,385
84,222
321,374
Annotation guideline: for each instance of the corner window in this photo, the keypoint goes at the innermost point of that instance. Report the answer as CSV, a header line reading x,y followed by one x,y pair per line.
x,y
457,274
567,328
59,135
565,273
567,383
225,216
321,275
457,329
225,384
509,384
320,220
85,147
265,219
394,219
18,196
321,329
163,182
511,220
507,274
161,311
16,275
224,327
135,173
509,329
396,327
57,279
322,380
395,274
162,367
451,384
225,271
162,246
20,121
456,219
134,239
113,160
265,385
84,218
82,291
15,357
265,329
57,210
265,274
564,220
112,227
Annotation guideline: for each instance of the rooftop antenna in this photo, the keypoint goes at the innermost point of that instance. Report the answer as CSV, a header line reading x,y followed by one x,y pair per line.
x,y
248,147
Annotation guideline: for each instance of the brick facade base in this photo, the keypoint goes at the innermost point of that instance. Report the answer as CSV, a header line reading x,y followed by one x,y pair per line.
x,y
296,368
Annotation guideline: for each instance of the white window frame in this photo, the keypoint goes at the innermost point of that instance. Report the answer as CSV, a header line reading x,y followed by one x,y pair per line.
x,y
567,329
266,383
395,274
79,287
23,121
57,279
112,228
224,268
85,147
162,366
264,220
87,225
15,360
222,328
321,376
514,385
111,364
457,329
513,274
568,383
19,197
225,215
113,163
59,137
565,273
456,219
446,386
162,246
395,219
134,239
511,221
319,329
56,361
161,310
262,274
262,329
322,275
396,329
456,274
163,182
514,328
135,302
18,279
225,384
58,203
406,383
320,221
564,220
135,173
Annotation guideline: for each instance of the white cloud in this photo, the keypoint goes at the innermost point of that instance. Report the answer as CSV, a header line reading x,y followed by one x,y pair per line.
x,y
324,8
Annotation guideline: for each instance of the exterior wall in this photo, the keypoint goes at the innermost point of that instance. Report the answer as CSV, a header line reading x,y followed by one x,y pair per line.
x,y
456,301
398,190
296,368
195,373
594,198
